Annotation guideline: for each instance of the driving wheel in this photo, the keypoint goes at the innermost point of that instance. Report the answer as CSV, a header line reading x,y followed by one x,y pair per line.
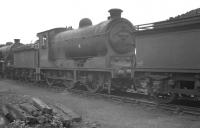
x,y
69,84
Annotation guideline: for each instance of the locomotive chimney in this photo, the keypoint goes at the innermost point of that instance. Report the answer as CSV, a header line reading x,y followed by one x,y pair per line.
x,y
115,13
17,41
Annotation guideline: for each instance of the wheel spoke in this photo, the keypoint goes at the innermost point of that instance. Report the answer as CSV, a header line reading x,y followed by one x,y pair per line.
x,y
49,81
68,84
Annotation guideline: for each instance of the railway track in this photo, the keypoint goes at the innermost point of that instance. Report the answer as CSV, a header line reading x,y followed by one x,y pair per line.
x,y
176,109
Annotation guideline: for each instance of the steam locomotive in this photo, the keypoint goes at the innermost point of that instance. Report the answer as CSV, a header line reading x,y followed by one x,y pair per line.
x,y
94,56
158,59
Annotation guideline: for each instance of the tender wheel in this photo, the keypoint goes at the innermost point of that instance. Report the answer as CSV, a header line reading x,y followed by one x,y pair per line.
x,y
50,81
69,84
165,98
25,77
28,76
33,78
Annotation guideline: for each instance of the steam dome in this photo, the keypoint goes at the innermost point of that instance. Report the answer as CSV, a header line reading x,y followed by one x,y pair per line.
x,y
85,22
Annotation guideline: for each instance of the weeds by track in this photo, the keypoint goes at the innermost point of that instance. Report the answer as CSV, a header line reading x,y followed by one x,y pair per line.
x,y
176,109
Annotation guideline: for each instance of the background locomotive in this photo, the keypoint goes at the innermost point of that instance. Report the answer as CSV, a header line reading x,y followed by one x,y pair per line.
x,y
6,56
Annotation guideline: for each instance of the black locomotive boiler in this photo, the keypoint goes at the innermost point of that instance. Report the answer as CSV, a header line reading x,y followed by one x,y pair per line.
x,y
96,56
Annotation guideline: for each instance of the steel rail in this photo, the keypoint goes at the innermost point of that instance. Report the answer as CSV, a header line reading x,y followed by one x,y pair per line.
x,y
177,109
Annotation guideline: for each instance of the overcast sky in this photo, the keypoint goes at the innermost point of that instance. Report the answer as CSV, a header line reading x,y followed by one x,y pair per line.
x,y
24,18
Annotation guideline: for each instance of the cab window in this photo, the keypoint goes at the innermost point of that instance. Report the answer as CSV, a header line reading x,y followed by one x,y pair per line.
x,y
44,41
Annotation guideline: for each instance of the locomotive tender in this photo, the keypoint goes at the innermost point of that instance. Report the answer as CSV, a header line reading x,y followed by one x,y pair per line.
x,y
167,56
92,55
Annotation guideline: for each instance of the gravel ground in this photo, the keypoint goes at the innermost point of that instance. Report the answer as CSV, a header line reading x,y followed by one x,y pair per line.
x,y
105,114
